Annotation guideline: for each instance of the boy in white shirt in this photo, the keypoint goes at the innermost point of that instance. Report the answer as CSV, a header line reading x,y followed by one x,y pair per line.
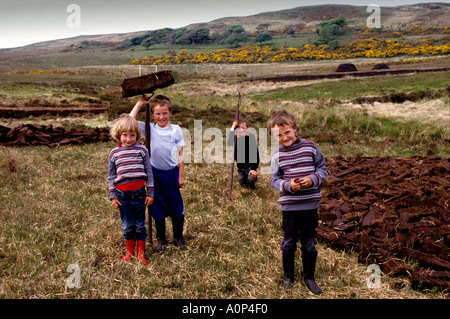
x,y
166,143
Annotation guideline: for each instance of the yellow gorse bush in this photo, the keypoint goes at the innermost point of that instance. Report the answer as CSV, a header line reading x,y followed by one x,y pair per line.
x,y
369,48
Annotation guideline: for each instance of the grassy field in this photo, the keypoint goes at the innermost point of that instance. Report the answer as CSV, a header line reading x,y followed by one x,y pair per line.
x,y
349,89
55,210
55,213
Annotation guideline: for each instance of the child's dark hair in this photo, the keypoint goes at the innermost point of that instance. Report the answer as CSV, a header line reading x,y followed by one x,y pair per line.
x,y
161,100
245,121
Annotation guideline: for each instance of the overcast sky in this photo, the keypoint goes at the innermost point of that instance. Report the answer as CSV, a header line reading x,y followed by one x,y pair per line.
x,y
24,22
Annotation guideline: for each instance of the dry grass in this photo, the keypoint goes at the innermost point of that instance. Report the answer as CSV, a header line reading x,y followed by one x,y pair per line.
x,y
55,212
428,111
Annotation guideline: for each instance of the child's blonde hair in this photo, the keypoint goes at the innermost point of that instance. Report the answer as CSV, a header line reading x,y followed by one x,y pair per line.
x,y
281,118
125,123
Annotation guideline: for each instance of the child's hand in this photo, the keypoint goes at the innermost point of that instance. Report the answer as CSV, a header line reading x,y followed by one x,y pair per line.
x,y
180,181
305,181
235,124
295,185
144,99
115,203
253,173
148,201
298,183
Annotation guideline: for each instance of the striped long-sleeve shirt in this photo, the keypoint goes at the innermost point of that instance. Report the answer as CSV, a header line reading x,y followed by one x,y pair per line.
x,y
298,160
129,164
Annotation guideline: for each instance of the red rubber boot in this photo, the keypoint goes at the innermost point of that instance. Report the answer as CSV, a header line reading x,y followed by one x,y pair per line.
x,y
130,243
141,251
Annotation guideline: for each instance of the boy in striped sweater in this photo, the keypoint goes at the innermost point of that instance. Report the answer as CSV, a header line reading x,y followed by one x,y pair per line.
x,y
298,169
130,184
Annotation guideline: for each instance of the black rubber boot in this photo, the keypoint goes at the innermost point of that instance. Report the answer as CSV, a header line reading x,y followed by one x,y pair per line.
x,y
178,225
252,183
160,235
288,269
309,268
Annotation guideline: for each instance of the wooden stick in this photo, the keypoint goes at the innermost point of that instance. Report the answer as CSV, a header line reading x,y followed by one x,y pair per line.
x,y
230,185
147,144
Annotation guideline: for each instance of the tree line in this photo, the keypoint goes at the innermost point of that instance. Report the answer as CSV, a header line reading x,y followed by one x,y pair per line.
x,y
233,36
328,34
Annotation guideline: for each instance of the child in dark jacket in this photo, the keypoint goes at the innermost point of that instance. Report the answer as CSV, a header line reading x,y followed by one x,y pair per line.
x,y
298,169
246,153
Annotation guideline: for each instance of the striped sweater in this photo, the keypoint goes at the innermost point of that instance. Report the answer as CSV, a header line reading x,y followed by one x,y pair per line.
x,y
129,164
298,160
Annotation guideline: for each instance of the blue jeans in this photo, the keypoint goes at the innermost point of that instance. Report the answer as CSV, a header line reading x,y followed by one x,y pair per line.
x,y
132,213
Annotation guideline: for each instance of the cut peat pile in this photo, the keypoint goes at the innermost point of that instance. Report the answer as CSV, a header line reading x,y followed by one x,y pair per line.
x,y
38,110
23,135
340,75
388,210
57,106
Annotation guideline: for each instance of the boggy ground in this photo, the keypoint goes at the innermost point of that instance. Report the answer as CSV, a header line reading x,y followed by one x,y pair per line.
x,y
390,210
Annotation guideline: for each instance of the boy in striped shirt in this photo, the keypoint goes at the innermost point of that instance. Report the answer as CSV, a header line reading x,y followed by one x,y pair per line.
x,y
298,169
130,184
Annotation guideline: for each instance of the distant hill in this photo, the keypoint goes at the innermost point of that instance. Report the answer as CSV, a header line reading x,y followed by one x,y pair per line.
x,y
429,14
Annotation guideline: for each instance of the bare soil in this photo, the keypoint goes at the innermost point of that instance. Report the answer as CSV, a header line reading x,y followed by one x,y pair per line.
x,y
340,75
38,110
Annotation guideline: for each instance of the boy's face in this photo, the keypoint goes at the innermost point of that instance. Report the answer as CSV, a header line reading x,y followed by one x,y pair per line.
x,y
161,115
128,138
243,126
285,134
242,130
